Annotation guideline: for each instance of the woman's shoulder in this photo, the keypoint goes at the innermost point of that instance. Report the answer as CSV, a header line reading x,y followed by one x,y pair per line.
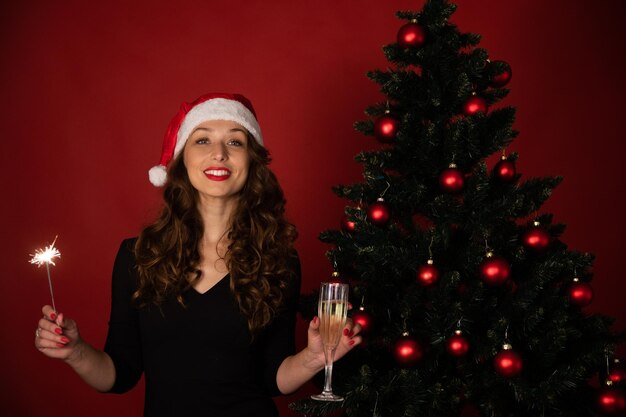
x,y
295,282
126,252
127,247
293,262
129,241
124,268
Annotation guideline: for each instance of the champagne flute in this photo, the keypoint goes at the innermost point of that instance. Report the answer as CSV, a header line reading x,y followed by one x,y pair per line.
x,y
332,311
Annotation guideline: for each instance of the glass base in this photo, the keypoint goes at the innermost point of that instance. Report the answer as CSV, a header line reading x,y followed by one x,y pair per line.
x,y
327,396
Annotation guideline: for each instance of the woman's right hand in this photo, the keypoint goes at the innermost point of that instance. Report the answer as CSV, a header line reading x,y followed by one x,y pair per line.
x,y
56,336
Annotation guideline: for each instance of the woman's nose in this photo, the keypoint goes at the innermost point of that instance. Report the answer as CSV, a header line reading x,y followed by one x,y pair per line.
x,y
220,153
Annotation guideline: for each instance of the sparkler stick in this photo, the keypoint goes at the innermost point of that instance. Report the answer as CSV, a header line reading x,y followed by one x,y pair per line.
x,y
46,256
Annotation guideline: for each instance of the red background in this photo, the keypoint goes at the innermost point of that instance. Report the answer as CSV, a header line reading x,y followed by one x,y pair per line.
x,y
88,89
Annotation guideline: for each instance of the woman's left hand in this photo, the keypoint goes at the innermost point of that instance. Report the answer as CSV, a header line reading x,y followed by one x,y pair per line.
x,y
297,369
349,340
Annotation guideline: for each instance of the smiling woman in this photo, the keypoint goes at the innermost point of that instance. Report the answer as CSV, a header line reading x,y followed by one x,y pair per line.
x,y
216,158
204,300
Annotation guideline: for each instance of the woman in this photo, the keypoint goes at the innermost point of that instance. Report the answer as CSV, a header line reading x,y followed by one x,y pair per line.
x,y
204,300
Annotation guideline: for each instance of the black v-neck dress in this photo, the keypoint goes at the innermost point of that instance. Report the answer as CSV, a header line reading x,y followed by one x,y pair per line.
x,y
198,360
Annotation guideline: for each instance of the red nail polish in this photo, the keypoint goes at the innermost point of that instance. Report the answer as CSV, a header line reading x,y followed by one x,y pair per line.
x,y
315,319
65,339
60,345
58,330
53,316
351,333
351,342
345,332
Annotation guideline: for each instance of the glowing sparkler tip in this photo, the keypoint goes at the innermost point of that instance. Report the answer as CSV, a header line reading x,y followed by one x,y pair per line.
x,y
45,256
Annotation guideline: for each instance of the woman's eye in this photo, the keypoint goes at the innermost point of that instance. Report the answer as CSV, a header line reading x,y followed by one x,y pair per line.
x,y
235,142
202,141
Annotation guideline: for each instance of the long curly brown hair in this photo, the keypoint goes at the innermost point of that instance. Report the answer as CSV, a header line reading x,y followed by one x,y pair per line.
x,y
258,257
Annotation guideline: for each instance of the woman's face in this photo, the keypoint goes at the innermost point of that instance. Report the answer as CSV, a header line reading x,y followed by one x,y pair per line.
x,y
217,159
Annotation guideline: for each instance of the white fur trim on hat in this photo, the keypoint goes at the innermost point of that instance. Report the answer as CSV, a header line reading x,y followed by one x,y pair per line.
x,y
217,109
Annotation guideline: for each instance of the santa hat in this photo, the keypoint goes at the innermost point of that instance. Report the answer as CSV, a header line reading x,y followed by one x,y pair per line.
x,y
212,106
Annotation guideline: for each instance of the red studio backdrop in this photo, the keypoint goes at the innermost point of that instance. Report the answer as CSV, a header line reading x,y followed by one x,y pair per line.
x,y
87,89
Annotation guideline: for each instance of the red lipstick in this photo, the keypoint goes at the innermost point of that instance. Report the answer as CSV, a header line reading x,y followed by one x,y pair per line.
x,y
217,173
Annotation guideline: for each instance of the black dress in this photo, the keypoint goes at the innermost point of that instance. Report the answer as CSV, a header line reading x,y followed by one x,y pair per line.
x,y
198,359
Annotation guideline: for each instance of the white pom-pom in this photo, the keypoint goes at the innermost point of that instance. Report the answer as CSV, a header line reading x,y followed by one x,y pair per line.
x,y
158,175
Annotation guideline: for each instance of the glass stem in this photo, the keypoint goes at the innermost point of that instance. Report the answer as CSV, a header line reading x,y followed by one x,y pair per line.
x,y
329,358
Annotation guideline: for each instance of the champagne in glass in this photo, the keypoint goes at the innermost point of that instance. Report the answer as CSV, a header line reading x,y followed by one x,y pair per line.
x,y
332,311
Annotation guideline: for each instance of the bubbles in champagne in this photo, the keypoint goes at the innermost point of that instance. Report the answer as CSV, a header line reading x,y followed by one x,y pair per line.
x,y
332,314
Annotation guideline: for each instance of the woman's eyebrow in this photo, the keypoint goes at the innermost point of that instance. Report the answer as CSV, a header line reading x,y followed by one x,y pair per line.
x,y
201,128
208,129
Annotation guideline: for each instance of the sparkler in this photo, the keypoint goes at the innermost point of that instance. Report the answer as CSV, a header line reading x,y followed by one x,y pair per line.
x,y
46,256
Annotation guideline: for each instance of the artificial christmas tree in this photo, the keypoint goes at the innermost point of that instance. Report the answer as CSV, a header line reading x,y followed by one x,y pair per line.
x,y
502,328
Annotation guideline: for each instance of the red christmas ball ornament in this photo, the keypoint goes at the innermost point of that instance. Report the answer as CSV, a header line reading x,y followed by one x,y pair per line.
x,y
580,293
536,238
474,105
500,74
378,213
611,401
457,345
386,127
504,171
507,362
363,319
407,351
494,270
617,374
428,274
411,35
347,225
451,179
